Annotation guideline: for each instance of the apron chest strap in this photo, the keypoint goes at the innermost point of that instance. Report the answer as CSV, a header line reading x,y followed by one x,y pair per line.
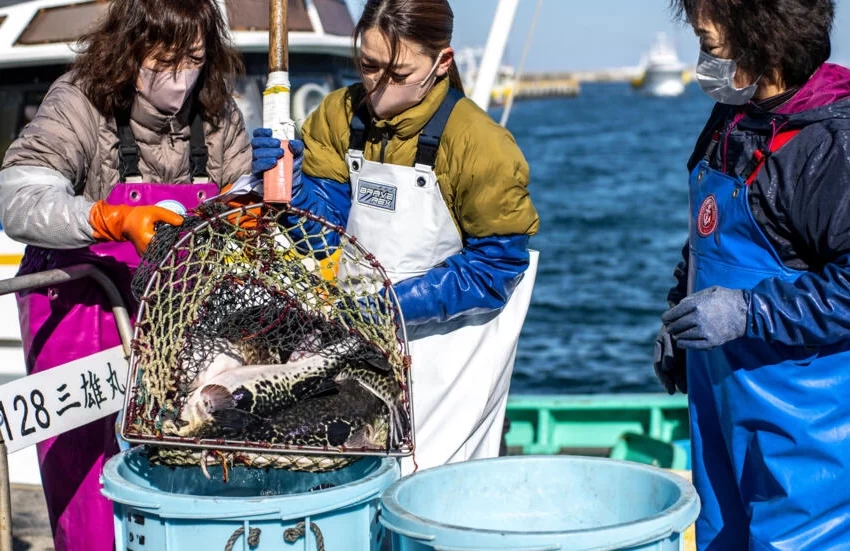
x,y
429,138
129,155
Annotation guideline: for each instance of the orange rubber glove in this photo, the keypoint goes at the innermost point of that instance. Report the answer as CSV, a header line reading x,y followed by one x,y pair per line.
x,y
246,221
126,223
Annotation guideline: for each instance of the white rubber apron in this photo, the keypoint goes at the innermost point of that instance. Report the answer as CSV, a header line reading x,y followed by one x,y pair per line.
x,y
461,370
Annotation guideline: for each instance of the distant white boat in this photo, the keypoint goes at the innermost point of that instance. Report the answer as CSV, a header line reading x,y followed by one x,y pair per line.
x,y
662,73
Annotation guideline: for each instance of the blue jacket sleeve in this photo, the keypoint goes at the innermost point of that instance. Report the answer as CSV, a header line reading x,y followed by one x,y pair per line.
x,y
328,199
477,280
814,310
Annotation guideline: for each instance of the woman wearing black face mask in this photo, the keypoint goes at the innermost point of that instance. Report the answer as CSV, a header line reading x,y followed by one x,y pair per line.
x,y
141,127
758,333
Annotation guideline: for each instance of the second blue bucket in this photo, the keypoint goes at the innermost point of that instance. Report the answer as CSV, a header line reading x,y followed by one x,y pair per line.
x,y
170,509
540,504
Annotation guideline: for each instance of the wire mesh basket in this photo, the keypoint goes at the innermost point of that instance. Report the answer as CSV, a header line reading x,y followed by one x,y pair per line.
x,y
267,338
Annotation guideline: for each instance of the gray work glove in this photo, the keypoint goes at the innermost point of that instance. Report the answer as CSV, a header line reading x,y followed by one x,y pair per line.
x,y
670,363
708,319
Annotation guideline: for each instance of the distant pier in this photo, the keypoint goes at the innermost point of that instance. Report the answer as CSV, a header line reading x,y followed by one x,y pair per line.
x,y
561,84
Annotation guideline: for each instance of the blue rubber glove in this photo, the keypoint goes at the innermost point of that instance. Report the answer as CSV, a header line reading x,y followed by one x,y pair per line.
x,y
708,319
670,363
267,151
478,280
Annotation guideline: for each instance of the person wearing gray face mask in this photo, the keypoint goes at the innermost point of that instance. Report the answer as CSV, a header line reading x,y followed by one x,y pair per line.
x,y
716,77
758,327
138,132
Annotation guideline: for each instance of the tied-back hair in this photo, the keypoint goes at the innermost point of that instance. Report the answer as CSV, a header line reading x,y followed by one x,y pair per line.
x,y
428,23
112,53
785,37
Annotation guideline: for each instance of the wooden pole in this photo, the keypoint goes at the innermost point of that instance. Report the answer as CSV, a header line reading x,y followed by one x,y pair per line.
x,y
278,36
277,182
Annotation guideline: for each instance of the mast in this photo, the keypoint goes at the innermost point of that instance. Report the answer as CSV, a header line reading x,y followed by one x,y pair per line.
x,y
493,52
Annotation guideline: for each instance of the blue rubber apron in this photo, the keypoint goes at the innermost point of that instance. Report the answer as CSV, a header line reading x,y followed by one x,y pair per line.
x,y
770,424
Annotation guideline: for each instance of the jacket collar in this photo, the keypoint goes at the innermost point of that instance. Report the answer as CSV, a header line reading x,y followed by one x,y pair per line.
x,y
149,118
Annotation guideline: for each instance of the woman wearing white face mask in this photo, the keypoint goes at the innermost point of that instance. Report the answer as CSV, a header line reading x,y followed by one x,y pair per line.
x,y
758,333
438,192
144,120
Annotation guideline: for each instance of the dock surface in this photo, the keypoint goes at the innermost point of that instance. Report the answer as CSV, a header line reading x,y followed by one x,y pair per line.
x,y
30,525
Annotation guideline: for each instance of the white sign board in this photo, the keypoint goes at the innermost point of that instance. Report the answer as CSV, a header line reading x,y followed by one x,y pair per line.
x,y
71,395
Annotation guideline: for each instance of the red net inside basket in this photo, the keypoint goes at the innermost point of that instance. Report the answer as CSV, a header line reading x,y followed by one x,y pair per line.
x,y
267,339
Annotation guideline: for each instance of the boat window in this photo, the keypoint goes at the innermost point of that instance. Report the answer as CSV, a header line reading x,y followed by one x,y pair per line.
x,y
336,19
61,23
254,16
21,91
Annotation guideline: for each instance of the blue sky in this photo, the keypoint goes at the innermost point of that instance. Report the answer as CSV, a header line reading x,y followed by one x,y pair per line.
x,y
577,34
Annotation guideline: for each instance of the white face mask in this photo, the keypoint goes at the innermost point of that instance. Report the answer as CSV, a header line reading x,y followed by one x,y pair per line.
x,y
397,98
716,77
167,90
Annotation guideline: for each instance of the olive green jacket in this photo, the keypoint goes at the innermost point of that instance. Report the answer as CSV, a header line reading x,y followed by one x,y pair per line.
x,y
482,173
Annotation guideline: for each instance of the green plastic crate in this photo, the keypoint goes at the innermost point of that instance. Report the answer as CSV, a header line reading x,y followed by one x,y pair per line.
x,y
591,424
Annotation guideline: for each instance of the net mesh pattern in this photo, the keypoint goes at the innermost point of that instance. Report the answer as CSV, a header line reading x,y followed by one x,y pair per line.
x,y
265,338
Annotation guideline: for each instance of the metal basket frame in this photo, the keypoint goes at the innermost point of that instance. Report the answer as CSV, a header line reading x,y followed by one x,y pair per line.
x,y
225,445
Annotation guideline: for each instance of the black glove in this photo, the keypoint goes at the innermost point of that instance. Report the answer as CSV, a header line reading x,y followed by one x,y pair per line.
x,y
670,363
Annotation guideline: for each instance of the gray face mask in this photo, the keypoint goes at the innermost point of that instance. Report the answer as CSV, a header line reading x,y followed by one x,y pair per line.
x,y
716,77
167,90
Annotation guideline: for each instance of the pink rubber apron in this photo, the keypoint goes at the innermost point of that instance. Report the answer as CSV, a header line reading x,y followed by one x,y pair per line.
x,y
71,321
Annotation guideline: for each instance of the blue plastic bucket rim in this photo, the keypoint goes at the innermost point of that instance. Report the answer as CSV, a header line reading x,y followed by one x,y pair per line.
x,y
122,491
675,519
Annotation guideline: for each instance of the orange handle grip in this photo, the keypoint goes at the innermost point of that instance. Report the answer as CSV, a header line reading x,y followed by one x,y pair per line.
x,y
277,181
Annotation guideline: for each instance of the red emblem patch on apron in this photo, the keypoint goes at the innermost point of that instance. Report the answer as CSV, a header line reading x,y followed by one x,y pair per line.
x,y
707,216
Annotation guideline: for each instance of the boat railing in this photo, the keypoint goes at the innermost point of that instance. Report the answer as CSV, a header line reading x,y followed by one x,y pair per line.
x,y
39,280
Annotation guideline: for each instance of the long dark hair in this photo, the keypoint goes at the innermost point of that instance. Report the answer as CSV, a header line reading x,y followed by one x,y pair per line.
x,y
788,37
428,23
112,53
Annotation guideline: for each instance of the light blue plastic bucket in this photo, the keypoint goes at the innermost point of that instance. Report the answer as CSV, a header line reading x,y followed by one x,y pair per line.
x,y
540,504
170,509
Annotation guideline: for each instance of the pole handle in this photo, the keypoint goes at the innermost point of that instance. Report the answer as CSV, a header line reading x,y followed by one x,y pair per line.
x,y
277,182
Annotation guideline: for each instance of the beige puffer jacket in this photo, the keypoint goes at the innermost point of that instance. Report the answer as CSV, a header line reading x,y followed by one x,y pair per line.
x,y
70,136
67,158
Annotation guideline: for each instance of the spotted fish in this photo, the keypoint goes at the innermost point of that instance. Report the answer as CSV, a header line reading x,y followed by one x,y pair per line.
x,y
345,415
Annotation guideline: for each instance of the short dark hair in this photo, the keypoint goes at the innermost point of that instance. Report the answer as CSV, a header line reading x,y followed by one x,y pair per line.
x,y
112,52
789,37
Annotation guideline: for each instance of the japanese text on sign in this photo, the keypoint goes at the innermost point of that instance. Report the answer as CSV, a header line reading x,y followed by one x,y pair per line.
x,y
49,403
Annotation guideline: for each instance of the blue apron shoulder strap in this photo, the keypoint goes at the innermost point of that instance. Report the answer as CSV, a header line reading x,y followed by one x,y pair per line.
x,y
429,139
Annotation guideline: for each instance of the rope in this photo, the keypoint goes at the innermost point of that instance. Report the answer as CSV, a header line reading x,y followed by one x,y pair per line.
x,y
253,538
291,535
507,112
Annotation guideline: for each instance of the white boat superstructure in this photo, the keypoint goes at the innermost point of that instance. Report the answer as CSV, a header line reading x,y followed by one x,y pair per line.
x,y
663,74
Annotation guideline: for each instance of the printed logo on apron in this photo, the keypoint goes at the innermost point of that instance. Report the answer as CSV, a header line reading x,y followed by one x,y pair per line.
x,y
377,195
707,216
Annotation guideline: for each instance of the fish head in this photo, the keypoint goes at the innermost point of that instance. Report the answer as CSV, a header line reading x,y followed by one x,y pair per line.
x,y
216,398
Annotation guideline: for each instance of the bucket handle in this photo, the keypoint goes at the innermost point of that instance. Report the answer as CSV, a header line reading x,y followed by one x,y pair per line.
x,y
406,533
342,505
134,504
545,548
422,537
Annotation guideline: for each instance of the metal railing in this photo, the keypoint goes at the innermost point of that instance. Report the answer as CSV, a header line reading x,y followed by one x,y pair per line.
x,y
32,282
